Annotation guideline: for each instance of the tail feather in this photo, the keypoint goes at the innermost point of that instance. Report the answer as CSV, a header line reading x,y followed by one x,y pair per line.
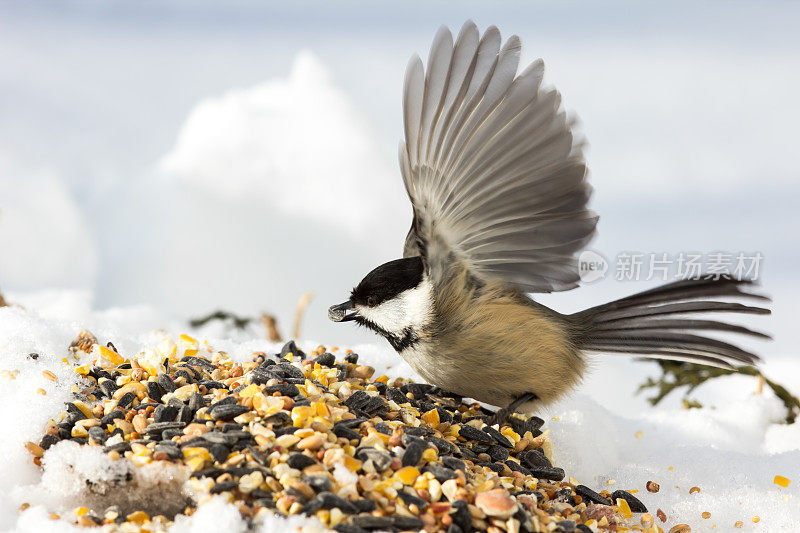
x,y
651,323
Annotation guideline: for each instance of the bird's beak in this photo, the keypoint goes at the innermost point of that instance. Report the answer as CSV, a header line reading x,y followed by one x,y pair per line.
x,y
339,313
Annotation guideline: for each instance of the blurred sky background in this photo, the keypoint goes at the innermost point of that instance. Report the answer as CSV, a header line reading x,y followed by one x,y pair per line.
x,y
192,156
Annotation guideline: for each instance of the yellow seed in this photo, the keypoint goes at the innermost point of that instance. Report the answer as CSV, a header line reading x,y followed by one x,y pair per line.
x,y
756,519
34,449
624,508
187,339
430,455
249,391
706,515
383,378
352,464
407,475
42,392
431,417
109,355
138,517
782,481
694,490
49,375
738,524
80,511
639,434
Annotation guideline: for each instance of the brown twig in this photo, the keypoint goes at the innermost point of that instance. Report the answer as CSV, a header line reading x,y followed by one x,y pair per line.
x,y
271,325
302,303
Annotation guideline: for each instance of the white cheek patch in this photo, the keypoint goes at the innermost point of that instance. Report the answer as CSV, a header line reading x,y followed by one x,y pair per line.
x,y
409,309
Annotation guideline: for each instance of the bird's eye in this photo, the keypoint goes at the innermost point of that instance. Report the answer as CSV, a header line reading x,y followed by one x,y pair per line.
x,y
370,301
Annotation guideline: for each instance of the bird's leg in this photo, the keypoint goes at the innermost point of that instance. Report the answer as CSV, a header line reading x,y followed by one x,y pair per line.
x,y
501,415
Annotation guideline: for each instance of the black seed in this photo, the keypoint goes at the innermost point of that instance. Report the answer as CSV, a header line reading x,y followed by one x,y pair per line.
x,y
209,472
219,452
417,431
533,423
292,347
300,461
583,528
325,359
413,453
210,384
166,382
173,452
228,412
441,473
328,500
113,415
516,467
126,400
498,437
365,505
48,440
379,458
466,453
195,402
287,370
348,528
567,526
461,516
472,433
165,413
154,391
351,358
175,402
345,432
318,483
157,427
367,521
223,487
588,494
184,415
356,400
535,458
194,360
498,453
454,464
633,502
285,389
97,434
495,467
404,523
444,447
218,437
551,473
396,395
284,431
185,374
108,387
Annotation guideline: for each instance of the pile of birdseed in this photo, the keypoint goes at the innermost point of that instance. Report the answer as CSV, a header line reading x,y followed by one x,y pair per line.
x,y
296,434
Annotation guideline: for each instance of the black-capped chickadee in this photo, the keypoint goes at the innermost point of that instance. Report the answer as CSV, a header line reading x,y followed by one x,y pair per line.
x,y
499,192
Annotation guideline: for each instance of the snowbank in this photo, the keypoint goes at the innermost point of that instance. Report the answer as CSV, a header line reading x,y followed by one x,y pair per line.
x,y
603,435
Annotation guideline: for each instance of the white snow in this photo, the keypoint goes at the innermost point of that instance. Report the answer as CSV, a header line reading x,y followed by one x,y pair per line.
x,y
604,435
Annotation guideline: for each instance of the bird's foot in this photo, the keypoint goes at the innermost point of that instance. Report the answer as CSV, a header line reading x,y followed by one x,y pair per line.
x,y
501,415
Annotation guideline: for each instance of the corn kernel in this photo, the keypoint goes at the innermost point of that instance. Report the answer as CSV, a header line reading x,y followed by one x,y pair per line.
x,y
383,378
431,417
407,475
109,355
781,481
430,455
83,370
351,463
80,511
138,517
249,391
624,508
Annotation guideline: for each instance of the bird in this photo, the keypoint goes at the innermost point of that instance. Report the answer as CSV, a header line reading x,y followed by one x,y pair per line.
x,y
499,188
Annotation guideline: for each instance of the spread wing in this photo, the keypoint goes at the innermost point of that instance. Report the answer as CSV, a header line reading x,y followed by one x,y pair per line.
x,y
490,164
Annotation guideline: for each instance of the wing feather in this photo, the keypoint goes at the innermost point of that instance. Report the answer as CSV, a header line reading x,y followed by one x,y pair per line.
x,y
494,174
